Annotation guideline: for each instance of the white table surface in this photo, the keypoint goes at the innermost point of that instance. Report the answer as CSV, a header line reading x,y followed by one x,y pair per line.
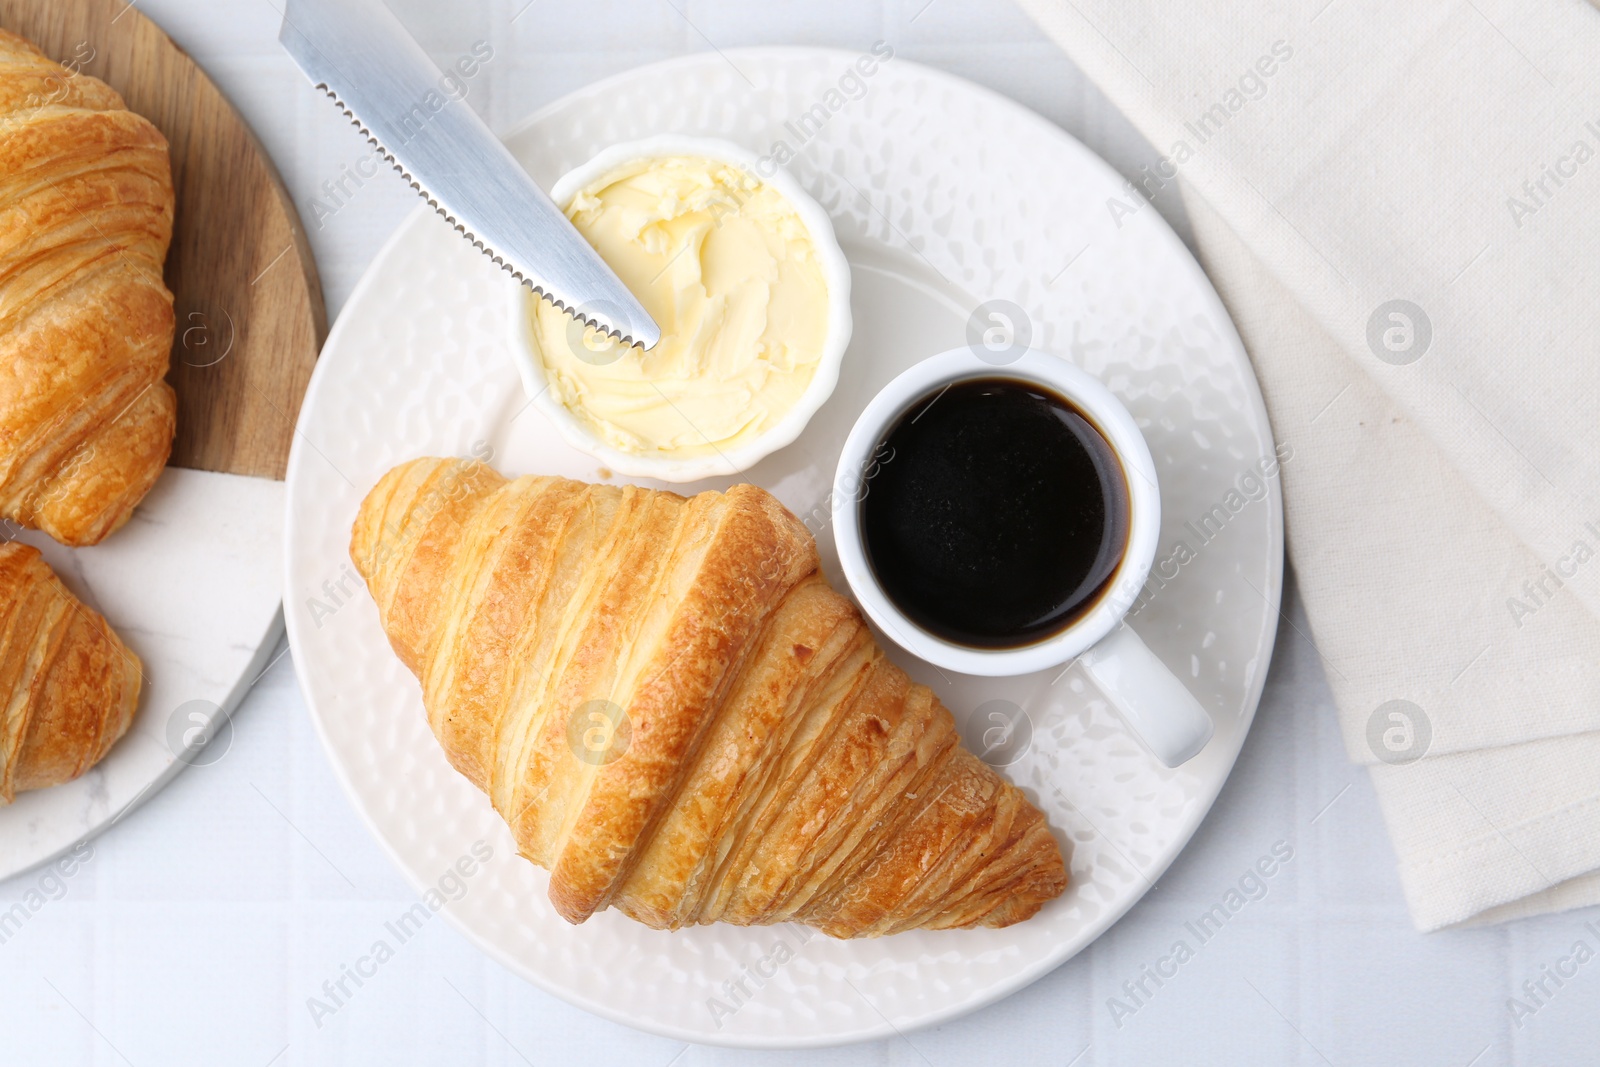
x,y
205,920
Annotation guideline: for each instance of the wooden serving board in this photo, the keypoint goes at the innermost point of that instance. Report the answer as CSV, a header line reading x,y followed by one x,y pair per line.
x,y
250,316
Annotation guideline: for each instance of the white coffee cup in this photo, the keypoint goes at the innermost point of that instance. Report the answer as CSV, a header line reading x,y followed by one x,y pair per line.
x,y
1157,707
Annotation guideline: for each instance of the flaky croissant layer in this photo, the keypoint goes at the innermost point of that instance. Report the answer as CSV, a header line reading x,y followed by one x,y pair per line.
x,y
86,323
677,716
68,685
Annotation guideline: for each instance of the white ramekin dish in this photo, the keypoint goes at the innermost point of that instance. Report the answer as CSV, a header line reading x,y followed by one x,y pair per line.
x,y
728,461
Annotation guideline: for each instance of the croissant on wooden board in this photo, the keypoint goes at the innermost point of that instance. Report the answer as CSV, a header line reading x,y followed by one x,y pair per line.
x,y
678,717
68,685
86,324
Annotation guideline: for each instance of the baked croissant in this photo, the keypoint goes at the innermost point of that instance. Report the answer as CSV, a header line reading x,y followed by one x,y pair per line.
x,y
68,685
86,419
677,716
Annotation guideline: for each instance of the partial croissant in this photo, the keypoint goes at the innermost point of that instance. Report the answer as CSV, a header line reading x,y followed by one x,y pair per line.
x,y
86,324
677,716
68,685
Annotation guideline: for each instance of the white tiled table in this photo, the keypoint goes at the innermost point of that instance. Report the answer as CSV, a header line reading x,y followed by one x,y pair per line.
x,y
206,919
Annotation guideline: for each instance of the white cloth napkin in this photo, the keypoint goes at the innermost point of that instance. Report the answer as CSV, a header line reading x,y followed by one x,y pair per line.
x,y
1400,205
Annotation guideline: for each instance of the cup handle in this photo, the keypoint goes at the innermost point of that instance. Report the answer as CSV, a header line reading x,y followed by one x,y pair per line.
x,y
1155,704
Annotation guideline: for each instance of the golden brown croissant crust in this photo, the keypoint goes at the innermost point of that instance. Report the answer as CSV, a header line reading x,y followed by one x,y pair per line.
x,y
677,716
86,202
68,685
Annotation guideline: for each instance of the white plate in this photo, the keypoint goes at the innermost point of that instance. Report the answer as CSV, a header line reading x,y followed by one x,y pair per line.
x,y
943,195
190,584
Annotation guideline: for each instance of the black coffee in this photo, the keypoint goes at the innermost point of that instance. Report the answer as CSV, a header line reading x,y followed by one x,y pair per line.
x,y
998,513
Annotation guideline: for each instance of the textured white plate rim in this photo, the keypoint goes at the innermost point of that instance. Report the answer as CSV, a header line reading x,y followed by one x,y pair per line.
x,y
1021,978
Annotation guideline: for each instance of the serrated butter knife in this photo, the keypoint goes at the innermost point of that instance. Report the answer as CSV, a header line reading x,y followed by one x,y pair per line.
x,y
358,52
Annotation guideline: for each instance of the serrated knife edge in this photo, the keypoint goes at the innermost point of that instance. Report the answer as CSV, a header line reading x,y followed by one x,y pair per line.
x,y
605,303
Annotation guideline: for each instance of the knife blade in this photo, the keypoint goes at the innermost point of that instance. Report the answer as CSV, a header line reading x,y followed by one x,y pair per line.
x,y
357,52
